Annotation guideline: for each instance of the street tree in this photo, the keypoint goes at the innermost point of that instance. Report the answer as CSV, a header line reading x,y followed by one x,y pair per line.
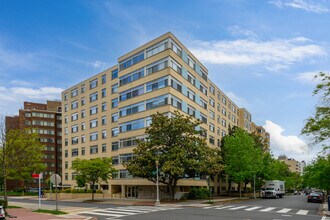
x,y
92,171
316,174
241,158
20,155
318,126
179,148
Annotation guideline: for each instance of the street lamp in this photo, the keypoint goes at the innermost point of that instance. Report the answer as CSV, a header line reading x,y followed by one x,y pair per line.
x,y
157,184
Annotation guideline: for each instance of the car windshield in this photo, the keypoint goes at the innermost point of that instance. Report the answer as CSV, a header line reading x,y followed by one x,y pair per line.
x,y
269,188
314,194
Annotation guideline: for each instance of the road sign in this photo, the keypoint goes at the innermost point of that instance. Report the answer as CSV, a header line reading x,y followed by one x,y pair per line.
x,y
55,179
37,175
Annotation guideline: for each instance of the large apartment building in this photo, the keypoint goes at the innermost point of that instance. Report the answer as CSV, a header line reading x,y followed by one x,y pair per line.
x,y
105,115
46,120
294,165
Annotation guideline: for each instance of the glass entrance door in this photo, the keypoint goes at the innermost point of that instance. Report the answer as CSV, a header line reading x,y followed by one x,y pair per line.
x,y
131,191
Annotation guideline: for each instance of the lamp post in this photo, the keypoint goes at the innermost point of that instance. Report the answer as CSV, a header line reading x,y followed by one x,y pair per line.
x,y
157,184
50,185
254,186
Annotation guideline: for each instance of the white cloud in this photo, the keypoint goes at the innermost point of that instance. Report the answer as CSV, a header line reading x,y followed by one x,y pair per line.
x,y
20,83
12,98
274,55
308,77
307,5
281,143
238,31
98,64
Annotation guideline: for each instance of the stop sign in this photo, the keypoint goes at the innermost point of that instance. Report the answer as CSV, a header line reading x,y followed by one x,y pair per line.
x,y
55,179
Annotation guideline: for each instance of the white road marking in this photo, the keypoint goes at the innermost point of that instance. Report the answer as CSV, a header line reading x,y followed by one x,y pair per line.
x,y
268,209
103,214
211,207
283,210
224,207
253,208
239,207
302,212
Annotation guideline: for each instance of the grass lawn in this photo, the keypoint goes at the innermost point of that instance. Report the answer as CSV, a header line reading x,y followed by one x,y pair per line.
x,y
53,212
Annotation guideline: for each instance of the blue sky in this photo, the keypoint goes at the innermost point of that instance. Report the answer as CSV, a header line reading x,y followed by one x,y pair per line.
x,y
263,54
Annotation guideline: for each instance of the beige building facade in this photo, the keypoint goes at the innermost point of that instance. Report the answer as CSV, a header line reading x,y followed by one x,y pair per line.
x,y
104,115
294,165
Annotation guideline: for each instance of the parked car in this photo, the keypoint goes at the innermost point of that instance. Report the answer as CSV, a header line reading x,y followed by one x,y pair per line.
x,y
315,197
2,213
33,190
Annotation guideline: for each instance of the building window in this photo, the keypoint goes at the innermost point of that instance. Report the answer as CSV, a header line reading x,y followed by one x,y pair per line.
x,y
93,97
104,134
104,106
93,84
212,103
104,92
66,154
83,139
74,105
65,107
211,127
83,151
93,136
191,110
131,77
191,79
104,78
74,92
66,120
83,101
66,142
129,110
156,49
114,74
212,90
157,102
211,140
224,123
83,89
74,128
176,85
74,117
93,123
93,149
203,88
114,103
115,160
176,49
74,152
191,94
224,100
224,112
203,118
65,96
204,75
104,120
157,84
176,102
66,131
158,66
212,114
114,88
83,126
74,140
131,61
93,110
83,113
114,146
131,93
104,148
66,166
132,125
114,117
175,66
114,132
191,63
202,103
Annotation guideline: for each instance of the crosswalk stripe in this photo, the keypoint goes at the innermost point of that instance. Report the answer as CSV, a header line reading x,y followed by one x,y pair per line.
x,y
267,209
103,214
302,212
253,208
283,210
116,212
212,207
224,207
239,207
124,210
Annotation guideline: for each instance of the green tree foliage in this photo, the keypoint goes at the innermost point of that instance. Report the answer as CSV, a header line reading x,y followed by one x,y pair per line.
x,y
319,126
20,155
241,156
93,171
317,174
180,149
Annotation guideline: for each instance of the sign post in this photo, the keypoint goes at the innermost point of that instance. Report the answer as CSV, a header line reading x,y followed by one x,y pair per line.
x,y
55,179
39,177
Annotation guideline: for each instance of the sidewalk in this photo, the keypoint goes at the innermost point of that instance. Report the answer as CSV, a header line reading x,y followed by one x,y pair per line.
x,y
325,211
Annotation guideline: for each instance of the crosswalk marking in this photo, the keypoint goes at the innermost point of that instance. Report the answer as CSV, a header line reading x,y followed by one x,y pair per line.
x,y
118,212
212,207
302,212
239,207
283,210
253,208
268,209
224,207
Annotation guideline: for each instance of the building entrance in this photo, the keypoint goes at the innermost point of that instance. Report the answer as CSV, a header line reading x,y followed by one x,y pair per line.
x,y
131,191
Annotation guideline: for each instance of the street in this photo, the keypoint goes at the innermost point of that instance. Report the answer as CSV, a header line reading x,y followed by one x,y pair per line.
x,y
290,207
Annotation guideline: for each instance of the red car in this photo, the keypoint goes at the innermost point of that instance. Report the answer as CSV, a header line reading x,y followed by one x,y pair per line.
x,y
315,197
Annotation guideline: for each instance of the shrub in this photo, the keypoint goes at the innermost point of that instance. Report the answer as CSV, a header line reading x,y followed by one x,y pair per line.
x,y
98,191
81,191
199,193
66,190
73,191
89,191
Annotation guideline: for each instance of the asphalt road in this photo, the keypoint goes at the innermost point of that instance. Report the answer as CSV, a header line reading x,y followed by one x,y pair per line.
x,y
289,207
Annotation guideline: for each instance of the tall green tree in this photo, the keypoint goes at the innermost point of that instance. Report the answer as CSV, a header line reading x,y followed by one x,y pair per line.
x,y
179,148
241,157
318,126
20,155
317,174
93,171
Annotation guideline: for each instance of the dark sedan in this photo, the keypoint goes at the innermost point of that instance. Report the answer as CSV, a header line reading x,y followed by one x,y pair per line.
x,y
315,197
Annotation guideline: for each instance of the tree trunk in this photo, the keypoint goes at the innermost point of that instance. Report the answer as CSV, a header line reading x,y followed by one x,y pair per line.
x,y
239,189
93,191
245,185
229,187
